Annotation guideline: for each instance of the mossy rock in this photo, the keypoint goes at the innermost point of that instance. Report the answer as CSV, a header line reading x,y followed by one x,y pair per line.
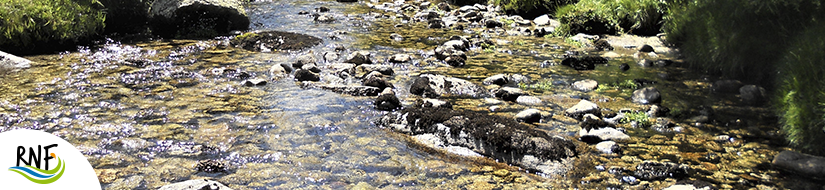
x,y
274,40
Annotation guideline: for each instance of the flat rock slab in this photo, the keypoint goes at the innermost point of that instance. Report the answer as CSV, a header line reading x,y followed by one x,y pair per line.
x,y
493,136
12,62
265,41
801,164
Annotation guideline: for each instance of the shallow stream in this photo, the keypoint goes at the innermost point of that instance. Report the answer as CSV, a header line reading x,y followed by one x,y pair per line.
x,y
146,114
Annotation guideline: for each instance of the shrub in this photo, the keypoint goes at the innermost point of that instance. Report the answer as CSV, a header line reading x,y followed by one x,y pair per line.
x,y
801,99
740,38
642,17
47,24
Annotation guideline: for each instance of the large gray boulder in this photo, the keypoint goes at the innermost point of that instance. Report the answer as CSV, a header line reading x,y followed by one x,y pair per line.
x,y
800,164
12,62
196,184
648,95
197,18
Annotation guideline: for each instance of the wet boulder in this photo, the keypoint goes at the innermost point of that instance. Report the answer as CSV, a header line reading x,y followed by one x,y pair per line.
x,y
254,82
652,170
529,116
268,41
580,109
431,85
400,58
353,90
596,135
306,75
499,79
508,93
12,62
304,59
608,147
529,100
497,137
278,71
800,164
376,80
430,103
197,18
196,184
359,57
364,69
602,45
387,101
585,85
648,95
584,63
752,94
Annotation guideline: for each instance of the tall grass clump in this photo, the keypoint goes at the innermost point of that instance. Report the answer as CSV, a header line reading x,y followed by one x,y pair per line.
x,y
47,24
642,17
740,39
801,100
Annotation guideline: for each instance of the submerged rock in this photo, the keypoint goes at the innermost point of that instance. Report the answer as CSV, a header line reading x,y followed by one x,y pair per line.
x,y
202,18
584,63
648,95
210,166
529,116
582,108
652,170
12,62
196,184
492,136
344,89
267,41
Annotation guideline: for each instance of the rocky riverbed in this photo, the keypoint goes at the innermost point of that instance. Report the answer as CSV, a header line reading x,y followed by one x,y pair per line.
x,y
399,94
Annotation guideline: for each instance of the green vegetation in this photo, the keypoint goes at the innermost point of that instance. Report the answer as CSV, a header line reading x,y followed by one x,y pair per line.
x,y
639,117
45,24
531,8
642,17
740,39
542,85
620,85
801,99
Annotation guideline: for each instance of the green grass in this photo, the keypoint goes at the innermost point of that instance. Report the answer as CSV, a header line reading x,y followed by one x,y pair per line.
x,y
740,39
531,8
642,17
801,98
30,23
541,86
640,117
620,85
